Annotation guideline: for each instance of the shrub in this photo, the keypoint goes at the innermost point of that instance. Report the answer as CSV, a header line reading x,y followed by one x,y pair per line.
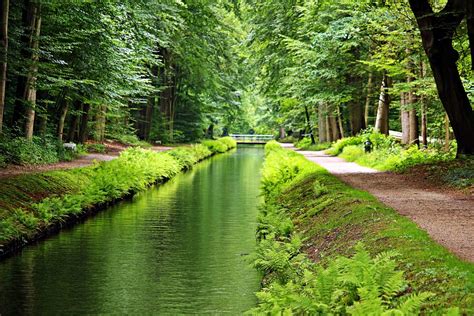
x,y
228,141
215,146
95,148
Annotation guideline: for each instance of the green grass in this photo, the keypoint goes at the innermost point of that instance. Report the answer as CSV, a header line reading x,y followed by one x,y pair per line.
x,y
332,218
30,203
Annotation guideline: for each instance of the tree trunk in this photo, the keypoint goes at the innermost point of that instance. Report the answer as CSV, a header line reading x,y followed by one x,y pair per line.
x,y
368,99
424,116
72,135
308,125
437,30
447,133
339,120
282,133
4,56
100,119
62,117
405,118
381,123
149,117
333,128
322,126
357,117
413,119
83,129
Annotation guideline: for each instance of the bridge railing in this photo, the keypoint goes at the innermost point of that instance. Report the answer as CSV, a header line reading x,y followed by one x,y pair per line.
x,y
249,138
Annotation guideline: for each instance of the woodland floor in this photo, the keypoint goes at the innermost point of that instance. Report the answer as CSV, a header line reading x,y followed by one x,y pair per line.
x,y
446,214
112,151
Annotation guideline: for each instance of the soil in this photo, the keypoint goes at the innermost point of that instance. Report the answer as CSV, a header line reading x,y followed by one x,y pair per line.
x,y
447,215
112,151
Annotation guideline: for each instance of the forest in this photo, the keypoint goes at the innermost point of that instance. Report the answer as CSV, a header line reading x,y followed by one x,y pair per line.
x,y
173,71
360,203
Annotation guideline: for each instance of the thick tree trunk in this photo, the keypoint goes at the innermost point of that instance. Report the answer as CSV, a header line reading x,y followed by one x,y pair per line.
x,y
381,123
357,117
83,129
367,99
334,134
437,30
281,133
3,55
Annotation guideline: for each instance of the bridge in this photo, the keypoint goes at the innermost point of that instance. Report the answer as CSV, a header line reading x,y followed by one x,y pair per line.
x,y
252,139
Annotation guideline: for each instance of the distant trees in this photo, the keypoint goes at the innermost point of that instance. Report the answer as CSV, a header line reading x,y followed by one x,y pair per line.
x,y
331,55
157,69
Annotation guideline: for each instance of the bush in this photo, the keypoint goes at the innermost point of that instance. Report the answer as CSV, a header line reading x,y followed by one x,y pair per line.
x,y
229,142
95,148
305,144
215,146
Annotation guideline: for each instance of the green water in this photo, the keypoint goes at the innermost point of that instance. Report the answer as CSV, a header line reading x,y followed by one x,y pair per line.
x,y
176,249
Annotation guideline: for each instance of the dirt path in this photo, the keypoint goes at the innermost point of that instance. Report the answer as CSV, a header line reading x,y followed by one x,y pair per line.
x,y
14,170
447,216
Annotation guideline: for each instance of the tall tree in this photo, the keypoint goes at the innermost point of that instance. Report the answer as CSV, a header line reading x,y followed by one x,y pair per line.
x,y
4,14
437,31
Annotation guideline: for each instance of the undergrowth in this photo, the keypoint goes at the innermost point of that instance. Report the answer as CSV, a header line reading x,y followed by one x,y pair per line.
x,y
305,144
326,248
30,203
387,154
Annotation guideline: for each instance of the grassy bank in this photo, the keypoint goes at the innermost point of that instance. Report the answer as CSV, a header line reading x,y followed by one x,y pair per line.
x,y
33,205
311,226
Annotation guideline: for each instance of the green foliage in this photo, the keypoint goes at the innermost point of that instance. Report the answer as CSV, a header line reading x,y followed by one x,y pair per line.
x,y
30,203
38,151
387,154
95,148
305,144
229,142
220,145
320,216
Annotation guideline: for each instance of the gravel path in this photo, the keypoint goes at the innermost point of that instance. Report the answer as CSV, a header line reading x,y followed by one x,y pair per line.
x,y
89,159
447,216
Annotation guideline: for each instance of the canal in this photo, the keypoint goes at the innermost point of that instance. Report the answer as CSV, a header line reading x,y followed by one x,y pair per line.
x,y
179,248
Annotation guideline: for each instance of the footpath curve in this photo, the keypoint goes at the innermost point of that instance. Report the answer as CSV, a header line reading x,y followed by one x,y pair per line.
x,y
447,216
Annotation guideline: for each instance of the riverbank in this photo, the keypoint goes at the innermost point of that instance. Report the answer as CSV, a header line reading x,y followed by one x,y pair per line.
x,y
311,218
35,206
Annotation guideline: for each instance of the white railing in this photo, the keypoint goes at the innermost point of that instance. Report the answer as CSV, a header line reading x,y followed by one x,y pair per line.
x,y
249,138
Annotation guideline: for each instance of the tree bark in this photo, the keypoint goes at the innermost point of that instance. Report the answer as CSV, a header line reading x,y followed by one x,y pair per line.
x,y
424,116
357,117
62,117
322,125
405,118
367,99
308,125
437,30
381,123
4,56
83,129
99,134
72,135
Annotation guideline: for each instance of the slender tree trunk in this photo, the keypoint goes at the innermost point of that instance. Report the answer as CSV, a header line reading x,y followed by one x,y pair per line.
x,y
4,56
149,116
83,129
381,123
339,120
308,125
447,133
405,118
72,135
413,116
322,126
368,99
437,31
100,119
62,118
424,116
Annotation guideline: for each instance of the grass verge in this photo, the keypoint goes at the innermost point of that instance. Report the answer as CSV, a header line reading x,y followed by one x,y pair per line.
x,y
310,219
35,205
